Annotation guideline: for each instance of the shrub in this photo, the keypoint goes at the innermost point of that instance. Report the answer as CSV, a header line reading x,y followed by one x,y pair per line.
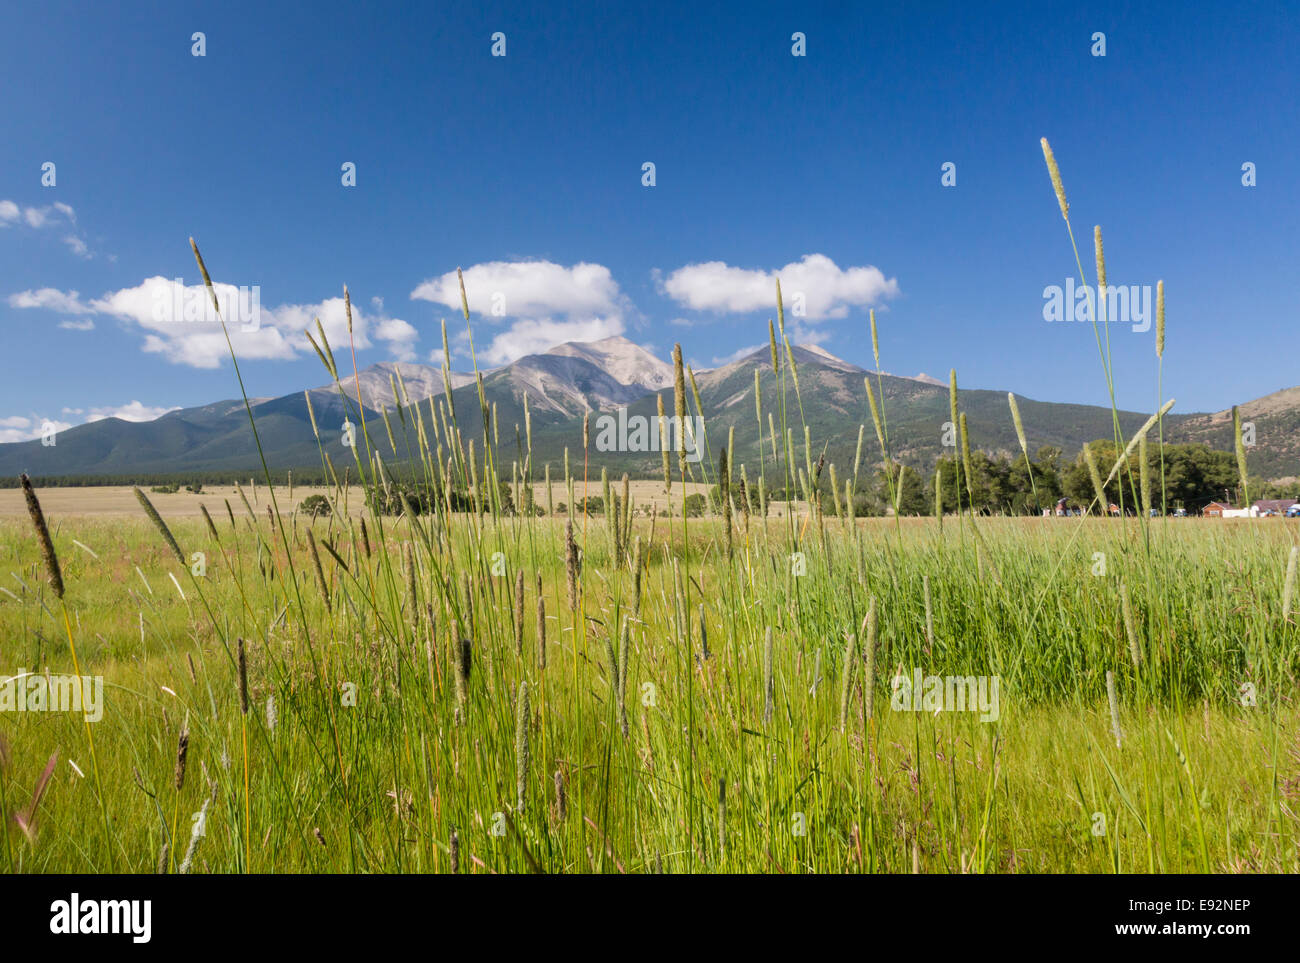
x,y
314,506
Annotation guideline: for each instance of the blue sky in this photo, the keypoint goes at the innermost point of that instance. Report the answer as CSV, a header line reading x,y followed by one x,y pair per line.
x,y
526,170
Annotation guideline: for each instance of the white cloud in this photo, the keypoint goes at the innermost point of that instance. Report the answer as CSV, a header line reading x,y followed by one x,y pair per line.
x,y
30,427
528,289
53,215
802,334
399,336
22,428
543,303
133,411
65,302
736,355
533,336
827,291
84,325
178,321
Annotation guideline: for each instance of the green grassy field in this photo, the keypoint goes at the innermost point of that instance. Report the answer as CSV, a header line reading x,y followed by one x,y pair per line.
x,y
707,776
482,691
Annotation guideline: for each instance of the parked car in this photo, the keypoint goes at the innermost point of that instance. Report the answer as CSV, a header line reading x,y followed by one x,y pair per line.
x,y
1293,511
1180,513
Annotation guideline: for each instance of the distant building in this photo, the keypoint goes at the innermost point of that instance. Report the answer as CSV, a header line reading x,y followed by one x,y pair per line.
x,y
1215,509
1277,506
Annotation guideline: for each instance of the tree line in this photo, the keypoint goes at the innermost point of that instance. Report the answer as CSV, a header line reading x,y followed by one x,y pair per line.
x,y
1193,476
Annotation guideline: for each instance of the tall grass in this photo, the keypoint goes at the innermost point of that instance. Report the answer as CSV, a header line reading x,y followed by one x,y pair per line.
x,y
662,708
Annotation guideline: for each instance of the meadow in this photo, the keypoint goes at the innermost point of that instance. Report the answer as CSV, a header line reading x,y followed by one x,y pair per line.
x,y
435,682
658,725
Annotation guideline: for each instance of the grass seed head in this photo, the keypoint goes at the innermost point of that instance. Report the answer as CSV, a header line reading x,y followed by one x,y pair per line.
x,y
523,756
1020,425
1099,491
541,631
182,753
51,559
159,524
561,802
1055,173
1240,445
965,453
1101,263
241,660
1160,319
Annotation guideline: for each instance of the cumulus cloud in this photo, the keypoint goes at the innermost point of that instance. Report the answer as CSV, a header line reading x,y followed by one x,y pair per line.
x,y
132,411
399,336
541,302
26,428
815,284
178,321
83,325
31,427
53,216
534,336
524,289
64,302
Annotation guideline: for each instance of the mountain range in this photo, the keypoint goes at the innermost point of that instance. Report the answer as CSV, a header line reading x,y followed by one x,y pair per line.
x,y
600,376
